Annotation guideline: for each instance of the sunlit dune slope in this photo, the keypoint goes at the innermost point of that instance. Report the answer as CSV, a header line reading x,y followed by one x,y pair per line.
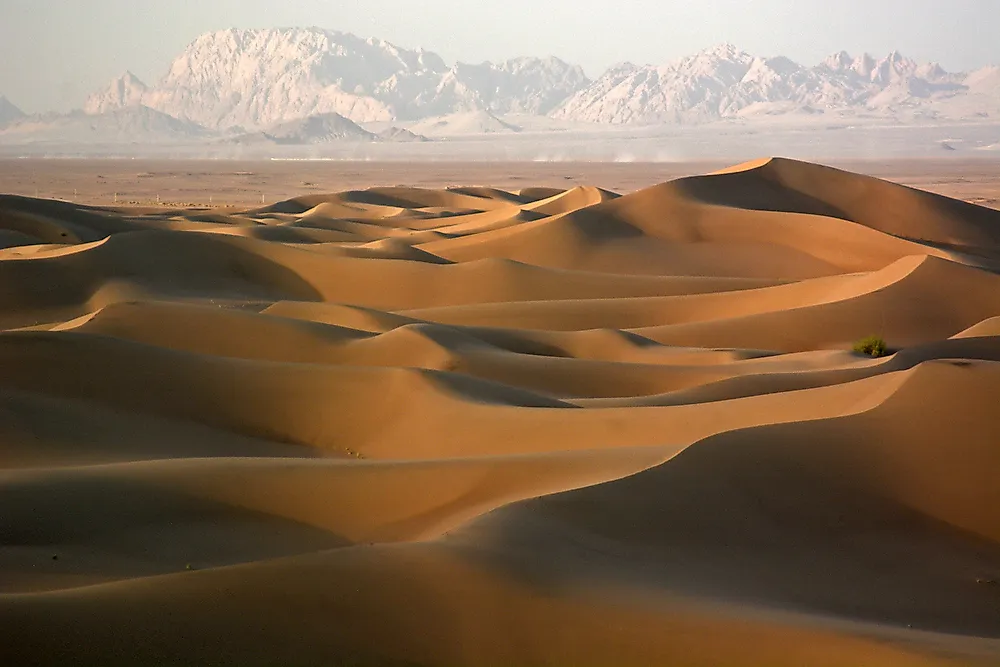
x,y
473,426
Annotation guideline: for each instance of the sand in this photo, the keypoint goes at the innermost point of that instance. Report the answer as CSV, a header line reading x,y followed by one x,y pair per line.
x,y
503,426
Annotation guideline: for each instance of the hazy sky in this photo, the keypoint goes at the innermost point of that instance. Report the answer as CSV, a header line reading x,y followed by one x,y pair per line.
x,y
53,53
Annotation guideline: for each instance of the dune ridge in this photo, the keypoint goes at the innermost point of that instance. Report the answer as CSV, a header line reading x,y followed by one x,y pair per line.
x,y
405,426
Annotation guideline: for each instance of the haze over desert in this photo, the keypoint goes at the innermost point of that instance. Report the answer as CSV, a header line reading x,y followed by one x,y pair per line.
x,y
520,425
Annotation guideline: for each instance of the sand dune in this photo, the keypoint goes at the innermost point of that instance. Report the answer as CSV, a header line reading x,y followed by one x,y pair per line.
x,y
479,426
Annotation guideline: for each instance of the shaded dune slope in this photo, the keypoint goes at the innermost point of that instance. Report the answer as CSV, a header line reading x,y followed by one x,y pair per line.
x,y
473,426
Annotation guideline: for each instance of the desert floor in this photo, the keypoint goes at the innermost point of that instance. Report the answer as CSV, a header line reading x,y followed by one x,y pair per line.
x,y
221,183
540,423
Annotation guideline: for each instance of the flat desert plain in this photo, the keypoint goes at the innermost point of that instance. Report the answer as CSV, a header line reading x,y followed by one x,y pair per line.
x,y
540,423
245,184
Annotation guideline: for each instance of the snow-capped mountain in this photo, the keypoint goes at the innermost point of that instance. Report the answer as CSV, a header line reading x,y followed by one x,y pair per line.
x,y
725,82
257,78
8,112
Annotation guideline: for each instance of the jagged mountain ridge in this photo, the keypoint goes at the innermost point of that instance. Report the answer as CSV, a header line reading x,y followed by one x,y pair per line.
x,y
125,91
726,82
258,78
255,79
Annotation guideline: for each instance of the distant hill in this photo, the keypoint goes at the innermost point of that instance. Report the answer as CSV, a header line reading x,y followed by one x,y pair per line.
x,y
129,125
8,112
319,129
466,123
401,134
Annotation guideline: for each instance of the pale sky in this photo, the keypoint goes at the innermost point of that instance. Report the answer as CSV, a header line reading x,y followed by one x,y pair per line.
x,y
53,53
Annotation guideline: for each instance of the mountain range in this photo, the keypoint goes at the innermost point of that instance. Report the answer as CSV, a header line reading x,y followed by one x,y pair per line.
x,y
725,82
256,78
310,86
253,79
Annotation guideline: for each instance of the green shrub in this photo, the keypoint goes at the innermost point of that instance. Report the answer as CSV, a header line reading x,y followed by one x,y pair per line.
x,y
873,346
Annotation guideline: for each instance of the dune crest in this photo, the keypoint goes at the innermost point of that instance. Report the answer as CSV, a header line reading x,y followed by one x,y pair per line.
x,y
478,426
